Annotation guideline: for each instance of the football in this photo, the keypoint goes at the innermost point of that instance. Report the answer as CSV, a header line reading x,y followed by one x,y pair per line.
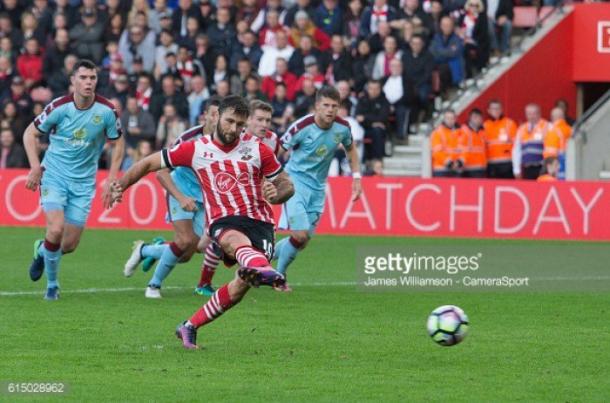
x,y
447,325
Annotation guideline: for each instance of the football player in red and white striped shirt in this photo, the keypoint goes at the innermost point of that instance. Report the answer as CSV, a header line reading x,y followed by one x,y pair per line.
x,y
239,176
258,125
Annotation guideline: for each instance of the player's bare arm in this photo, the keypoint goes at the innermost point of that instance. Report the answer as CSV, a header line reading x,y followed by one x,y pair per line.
x,y
279,190
168,184
30,144
118,151
137,171
354,162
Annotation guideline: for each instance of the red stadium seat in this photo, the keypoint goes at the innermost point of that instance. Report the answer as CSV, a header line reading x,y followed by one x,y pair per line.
x,y
525,17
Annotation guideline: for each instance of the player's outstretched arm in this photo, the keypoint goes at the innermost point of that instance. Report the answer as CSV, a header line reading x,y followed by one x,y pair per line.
x,y
118,150
31,149
354,162
280,191
168,184
138,170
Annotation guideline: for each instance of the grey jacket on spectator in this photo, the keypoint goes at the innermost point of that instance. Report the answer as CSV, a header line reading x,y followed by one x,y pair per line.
x,y
88,41
145,49
144,121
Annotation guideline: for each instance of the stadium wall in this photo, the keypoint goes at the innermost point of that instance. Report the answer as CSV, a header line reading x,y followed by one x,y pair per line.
x,y
389,206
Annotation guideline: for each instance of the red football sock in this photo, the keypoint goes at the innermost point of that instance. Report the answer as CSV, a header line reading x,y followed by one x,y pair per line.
x,y
247,256
216,306
210,262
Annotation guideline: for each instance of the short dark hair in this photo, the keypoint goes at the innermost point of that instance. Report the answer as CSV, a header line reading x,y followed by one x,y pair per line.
x,y
475,111
86,63
258,105
235,102
328,92
214,100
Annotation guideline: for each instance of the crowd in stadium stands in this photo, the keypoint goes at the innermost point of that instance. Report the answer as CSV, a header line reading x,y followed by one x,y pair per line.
x,y
161,60
499,148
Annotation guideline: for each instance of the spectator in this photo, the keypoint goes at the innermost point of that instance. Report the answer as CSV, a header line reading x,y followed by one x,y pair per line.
x,y
563,105
472,157
144,91
199,94
372,113
18,94
262,17
6,49
418,65
396,92
248,11
238,80
550,170
356,128
119,89
303,26
12,155
281,75
6,74
204,54
30,28
362,68
137,123
500,18
381,68
206,10
166,45
312,72
187,66
347,98
377,39
43,14
500,134
169,94
329,17
378,12
305,99
282,108
338,63
448,51
223,88
352,20
528,150
193,30
143,149
246,47
180,16
68,10
436,13
155,15
8,30
221,71
253,89
272,53
474,32
413,13
296,63
443,144
301,5
59,82
29,64
13,120
53,60
171,125
222,35
87,37
268,35
138,43
115,28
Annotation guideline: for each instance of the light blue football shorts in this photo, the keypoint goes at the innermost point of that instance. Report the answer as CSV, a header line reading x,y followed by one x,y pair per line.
x,y
74,197
177,213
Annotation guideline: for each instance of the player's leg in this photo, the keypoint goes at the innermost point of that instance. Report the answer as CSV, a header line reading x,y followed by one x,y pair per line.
x,y
50,250
296,219
180,250
210,262
254,270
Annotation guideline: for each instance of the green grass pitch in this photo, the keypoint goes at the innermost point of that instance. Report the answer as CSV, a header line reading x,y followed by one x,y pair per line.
x,y
326,341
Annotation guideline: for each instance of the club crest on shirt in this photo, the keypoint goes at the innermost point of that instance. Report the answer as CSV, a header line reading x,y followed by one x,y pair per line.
x,y
321,151
245,153
80,133
97,119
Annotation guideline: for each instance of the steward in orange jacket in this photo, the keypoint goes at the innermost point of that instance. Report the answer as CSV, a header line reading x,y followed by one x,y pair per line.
x,y
443,142
500,134
531,141
472,153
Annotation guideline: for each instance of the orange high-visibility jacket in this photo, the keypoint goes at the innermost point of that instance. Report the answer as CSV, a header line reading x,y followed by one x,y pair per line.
x,y
546,178
565,131
471,149
499,138
443,142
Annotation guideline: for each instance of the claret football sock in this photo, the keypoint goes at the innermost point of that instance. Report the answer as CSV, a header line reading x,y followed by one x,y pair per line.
x,y
210,262
167,261
52,255
216,306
